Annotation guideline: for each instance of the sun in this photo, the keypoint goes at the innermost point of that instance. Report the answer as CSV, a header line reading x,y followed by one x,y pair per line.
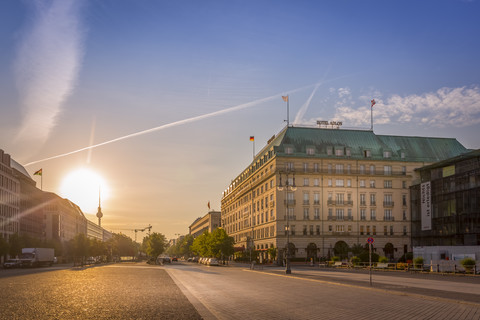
x,y
82,187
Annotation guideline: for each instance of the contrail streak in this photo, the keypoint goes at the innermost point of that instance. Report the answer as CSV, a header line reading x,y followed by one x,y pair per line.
x,y
173,124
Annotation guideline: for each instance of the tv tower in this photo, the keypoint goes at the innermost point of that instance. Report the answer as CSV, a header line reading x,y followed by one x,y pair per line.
x,y
99,212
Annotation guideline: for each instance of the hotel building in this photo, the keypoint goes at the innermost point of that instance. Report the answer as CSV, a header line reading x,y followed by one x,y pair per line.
x,y
339,187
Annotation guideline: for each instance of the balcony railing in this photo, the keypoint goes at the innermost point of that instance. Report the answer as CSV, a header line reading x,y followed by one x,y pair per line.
x,y
388,203
290,202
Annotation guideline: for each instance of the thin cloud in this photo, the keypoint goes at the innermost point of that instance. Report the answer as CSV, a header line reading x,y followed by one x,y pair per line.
x,y
47,65
457,107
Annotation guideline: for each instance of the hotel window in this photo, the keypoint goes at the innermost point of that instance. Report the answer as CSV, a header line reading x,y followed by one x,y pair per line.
x,y
404,199
385,230
402,155
330,213
368,230
289,166
388,215
304,230
329,182
373,200
404,184
316,198
339,152
367,153
339,198
363,214
310,151
387,184
339,182
348,152
316,182
404,170
362,230
404,230
349,168
329,168
315,167
305,167
349,183
330,196
340,214
339,168
374,230
387,154
317,230
288,150
317,214
404,215
363,202
349,214
373,214
293,230
330,228
372,183
362,183
311,230
306,198
372,169
329,151
362,169
387,170
340,228
306,182
387,200
391,230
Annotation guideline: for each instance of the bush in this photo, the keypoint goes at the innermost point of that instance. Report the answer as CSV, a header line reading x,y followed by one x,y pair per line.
x,y
355,260
468,263
383,259
364,257
418,262
336,258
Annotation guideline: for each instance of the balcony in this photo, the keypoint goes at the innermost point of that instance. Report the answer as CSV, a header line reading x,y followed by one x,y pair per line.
x,y
306,202
290,202
388,218
388,204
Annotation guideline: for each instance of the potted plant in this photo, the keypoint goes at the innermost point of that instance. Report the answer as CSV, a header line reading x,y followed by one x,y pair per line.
x,y
468,264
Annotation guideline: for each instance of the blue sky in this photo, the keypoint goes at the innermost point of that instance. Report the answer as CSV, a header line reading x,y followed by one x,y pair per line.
x,y
79,73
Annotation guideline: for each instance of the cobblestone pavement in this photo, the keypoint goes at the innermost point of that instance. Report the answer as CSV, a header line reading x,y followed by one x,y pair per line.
x,y
240,293
118,291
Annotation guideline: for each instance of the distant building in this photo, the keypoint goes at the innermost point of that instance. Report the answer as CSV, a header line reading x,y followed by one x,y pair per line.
x,y
209,222
9,198
445,203
350,185
94,231
31,217
64,219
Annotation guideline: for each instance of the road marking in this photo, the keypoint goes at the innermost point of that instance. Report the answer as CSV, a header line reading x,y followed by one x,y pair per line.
x,y
398,293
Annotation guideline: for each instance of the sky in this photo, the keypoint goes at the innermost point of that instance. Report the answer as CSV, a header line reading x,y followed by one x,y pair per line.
x,y
167,93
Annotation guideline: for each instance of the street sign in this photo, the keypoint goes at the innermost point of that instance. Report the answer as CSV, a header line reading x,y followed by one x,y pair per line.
x,y
370,240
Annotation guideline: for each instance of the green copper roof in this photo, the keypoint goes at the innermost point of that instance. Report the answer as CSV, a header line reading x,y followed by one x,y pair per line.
x,y
423,149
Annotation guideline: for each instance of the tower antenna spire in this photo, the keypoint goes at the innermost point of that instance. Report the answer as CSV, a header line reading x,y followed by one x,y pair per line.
x,y
99,212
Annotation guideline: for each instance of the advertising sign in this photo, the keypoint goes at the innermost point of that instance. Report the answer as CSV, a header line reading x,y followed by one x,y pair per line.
x,y
426,206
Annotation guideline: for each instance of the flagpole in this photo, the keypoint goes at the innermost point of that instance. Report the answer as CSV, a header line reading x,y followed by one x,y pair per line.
x,y
288,110
372,103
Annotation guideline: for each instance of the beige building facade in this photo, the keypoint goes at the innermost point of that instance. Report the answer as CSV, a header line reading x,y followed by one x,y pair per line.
x,y
337,189
208,222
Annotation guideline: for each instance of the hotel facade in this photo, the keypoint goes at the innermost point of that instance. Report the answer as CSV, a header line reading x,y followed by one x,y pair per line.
x,y
326,190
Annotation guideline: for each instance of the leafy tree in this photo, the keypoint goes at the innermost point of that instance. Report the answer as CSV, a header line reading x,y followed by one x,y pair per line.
x,y
383,259
154,244
122,245
357,249
184,246
341,249
200,245
221,244
4,247
272,251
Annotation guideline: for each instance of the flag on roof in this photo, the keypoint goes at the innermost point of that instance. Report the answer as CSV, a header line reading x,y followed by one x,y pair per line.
x,y
252,138
285,98
38,173
373,102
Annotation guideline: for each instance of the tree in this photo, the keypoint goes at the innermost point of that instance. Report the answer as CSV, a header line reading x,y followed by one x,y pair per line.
x,y
200,244
4,247
15,245
221,244
155,244
272,252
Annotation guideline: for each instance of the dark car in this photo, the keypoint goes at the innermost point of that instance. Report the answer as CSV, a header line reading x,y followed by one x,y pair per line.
x,y
12,263
174,259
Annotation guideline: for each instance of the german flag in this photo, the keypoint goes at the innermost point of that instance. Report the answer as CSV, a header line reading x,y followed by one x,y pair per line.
x,y
252,138
38,173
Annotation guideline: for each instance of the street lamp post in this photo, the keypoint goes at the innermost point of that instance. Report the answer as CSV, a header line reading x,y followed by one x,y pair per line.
x,y
289,186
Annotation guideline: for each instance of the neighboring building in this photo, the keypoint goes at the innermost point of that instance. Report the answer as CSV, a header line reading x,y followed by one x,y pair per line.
x,y
94,231
209,222
31,217
350,185
445,203
9,198
64,219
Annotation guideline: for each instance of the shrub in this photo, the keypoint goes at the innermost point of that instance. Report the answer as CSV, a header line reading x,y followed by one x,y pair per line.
x,y
355,260
468,263
336,258
418,262
383,259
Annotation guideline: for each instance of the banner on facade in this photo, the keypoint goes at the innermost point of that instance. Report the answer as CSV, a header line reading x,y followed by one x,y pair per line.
x,y
426,206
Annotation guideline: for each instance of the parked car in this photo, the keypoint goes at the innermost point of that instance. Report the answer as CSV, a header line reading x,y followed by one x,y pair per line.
x,y
12,263
174,259
212,262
